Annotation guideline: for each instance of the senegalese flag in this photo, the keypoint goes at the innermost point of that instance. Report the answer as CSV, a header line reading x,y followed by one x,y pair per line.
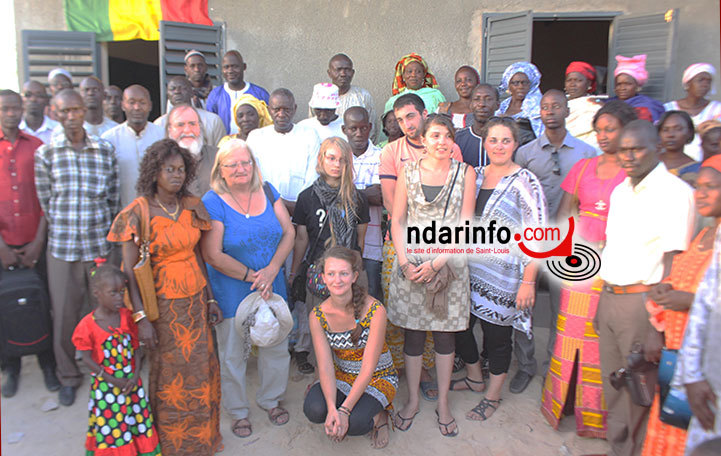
x,y
122,20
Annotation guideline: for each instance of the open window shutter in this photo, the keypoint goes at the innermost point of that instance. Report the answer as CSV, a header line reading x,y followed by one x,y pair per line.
x,y
650,34
506,39
44,50
176,39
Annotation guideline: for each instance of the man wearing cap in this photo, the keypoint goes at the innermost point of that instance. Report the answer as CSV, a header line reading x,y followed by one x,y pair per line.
x,y
222,98
287,153
341,72
58,79
113,103
132,137
323,105
184,126
196,70
180,92
35,103
93,92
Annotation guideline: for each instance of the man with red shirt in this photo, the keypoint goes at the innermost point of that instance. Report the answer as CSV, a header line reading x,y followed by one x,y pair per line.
x,y
22,225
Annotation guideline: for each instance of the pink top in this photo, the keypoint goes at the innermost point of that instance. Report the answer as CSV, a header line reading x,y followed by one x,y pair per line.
x,y
594,195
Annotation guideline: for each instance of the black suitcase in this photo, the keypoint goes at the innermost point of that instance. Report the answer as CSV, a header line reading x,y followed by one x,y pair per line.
x,y
25,325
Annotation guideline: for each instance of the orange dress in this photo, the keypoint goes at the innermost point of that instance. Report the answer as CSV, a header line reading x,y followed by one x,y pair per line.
x,y
184,386
686,273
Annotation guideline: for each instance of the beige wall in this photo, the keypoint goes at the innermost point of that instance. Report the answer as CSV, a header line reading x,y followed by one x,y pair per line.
x,y
288,43
36,15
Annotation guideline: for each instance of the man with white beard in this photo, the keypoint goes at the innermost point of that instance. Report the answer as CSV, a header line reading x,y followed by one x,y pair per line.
x,y
132,137
185,127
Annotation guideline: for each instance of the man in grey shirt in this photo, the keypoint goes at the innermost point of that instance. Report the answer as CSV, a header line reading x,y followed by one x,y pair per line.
x,y
550,157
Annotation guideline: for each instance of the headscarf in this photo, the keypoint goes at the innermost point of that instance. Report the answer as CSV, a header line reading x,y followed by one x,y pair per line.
x,y
531,106
694,70
259,105
58,71
712,162
398,84
586,69
707,125
342,227
633,66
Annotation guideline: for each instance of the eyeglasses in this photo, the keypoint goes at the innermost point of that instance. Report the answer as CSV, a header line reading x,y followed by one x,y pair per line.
x,y
556,163
242,164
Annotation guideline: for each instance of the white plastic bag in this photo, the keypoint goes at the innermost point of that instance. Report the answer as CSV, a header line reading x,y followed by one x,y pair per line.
x,y
266,326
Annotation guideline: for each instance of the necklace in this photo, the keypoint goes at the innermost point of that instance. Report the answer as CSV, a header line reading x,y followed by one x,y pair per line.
x,y
247,211
173,214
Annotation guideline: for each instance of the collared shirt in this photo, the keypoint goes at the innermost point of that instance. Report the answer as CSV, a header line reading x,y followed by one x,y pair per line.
x,y
286,160
395,154
98,130
19,206
129,150
644,222
325,131
44,132
206,159
471,147
79,193
213,128
365,170
537,156
357,96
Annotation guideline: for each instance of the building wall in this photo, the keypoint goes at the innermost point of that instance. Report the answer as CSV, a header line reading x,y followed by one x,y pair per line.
x,y
288,43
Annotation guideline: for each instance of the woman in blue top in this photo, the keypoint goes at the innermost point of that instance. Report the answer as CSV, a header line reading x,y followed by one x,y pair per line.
x,y
250,238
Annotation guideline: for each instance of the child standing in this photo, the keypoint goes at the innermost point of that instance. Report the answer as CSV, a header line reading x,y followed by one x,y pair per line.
x,y
120,420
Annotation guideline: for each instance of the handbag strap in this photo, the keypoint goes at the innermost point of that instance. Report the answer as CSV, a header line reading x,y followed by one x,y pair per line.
x,y
145,219
317,238
450,192
578,183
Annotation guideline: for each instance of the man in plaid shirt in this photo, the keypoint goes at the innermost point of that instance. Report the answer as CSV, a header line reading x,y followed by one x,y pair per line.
x,y
76,176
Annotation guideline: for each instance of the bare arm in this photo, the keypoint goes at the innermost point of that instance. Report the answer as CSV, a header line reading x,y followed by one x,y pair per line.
x,y
374,195
566,207
388,190
211,245
268,274
324,357
301,244
362,236
400,203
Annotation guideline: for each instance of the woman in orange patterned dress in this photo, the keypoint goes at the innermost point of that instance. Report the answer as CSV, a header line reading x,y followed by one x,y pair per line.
x,y
670,301
184,386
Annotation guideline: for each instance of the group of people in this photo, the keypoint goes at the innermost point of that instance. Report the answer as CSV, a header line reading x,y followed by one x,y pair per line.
x,y
230,200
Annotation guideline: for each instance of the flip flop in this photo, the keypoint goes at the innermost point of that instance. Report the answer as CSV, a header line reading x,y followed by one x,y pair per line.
x,y
426,387
448,433
404,421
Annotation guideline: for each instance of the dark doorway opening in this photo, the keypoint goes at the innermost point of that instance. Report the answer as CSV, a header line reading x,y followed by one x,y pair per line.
x,y
136,62
556,43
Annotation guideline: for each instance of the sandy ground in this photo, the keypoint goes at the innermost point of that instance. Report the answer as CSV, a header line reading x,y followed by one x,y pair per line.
x,y
518,428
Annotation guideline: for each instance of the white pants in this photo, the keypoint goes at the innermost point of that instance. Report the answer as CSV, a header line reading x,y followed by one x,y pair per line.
x,y
273,367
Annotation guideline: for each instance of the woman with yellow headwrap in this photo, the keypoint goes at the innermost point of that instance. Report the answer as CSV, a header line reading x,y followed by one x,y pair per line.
x,y
248,114
412,76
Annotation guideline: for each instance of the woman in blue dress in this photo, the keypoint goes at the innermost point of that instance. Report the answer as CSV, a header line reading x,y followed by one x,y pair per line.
x,y
251,236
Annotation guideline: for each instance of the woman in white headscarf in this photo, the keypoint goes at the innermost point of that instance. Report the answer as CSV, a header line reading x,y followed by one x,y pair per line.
x,y
698,82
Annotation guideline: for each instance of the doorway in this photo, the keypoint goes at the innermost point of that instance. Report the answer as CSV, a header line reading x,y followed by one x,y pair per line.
x,y
136,62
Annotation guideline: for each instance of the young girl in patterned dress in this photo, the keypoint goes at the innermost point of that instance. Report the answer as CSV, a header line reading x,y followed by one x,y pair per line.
x,y
357,377
120,420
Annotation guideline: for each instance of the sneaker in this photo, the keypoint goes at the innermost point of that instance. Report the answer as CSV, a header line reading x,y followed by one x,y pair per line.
x,y
301,360
520,382
51,380
66,396
10,385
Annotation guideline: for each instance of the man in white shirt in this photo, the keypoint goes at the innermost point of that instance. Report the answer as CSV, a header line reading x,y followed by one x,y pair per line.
x,y
651,218
341,72
93,92
180,92
323,104
35,122
287,154
132,137
366,160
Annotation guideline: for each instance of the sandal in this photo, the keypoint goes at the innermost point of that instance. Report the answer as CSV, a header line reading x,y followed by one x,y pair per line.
x,y
374,436
241,428
444,427
402,425
301,361
481,408
467,381
277,415
458,364
426,388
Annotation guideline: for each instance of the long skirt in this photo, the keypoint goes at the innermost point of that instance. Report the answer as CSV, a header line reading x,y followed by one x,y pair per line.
x,y
575,368
184,384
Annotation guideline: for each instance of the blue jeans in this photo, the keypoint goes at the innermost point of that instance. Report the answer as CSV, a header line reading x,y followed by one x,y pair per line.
x,y
373,269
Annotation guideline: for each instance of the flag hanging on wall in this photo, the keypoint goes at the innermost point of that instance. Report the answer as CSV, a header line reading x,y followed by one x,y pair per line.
x,y
122,20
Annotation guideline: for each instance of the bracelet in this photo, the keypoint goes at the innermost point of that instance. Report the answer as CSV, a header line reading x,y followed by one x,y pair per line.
x,y
247,269
403,266
139,315
343,409
527,282
432,268
99,372
212,300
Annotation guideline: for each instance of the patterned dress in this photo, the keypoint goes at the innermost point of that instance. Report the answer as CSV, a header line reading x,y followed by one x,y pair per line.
x,y
119,424
348,358
406,299
184,379
686,273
